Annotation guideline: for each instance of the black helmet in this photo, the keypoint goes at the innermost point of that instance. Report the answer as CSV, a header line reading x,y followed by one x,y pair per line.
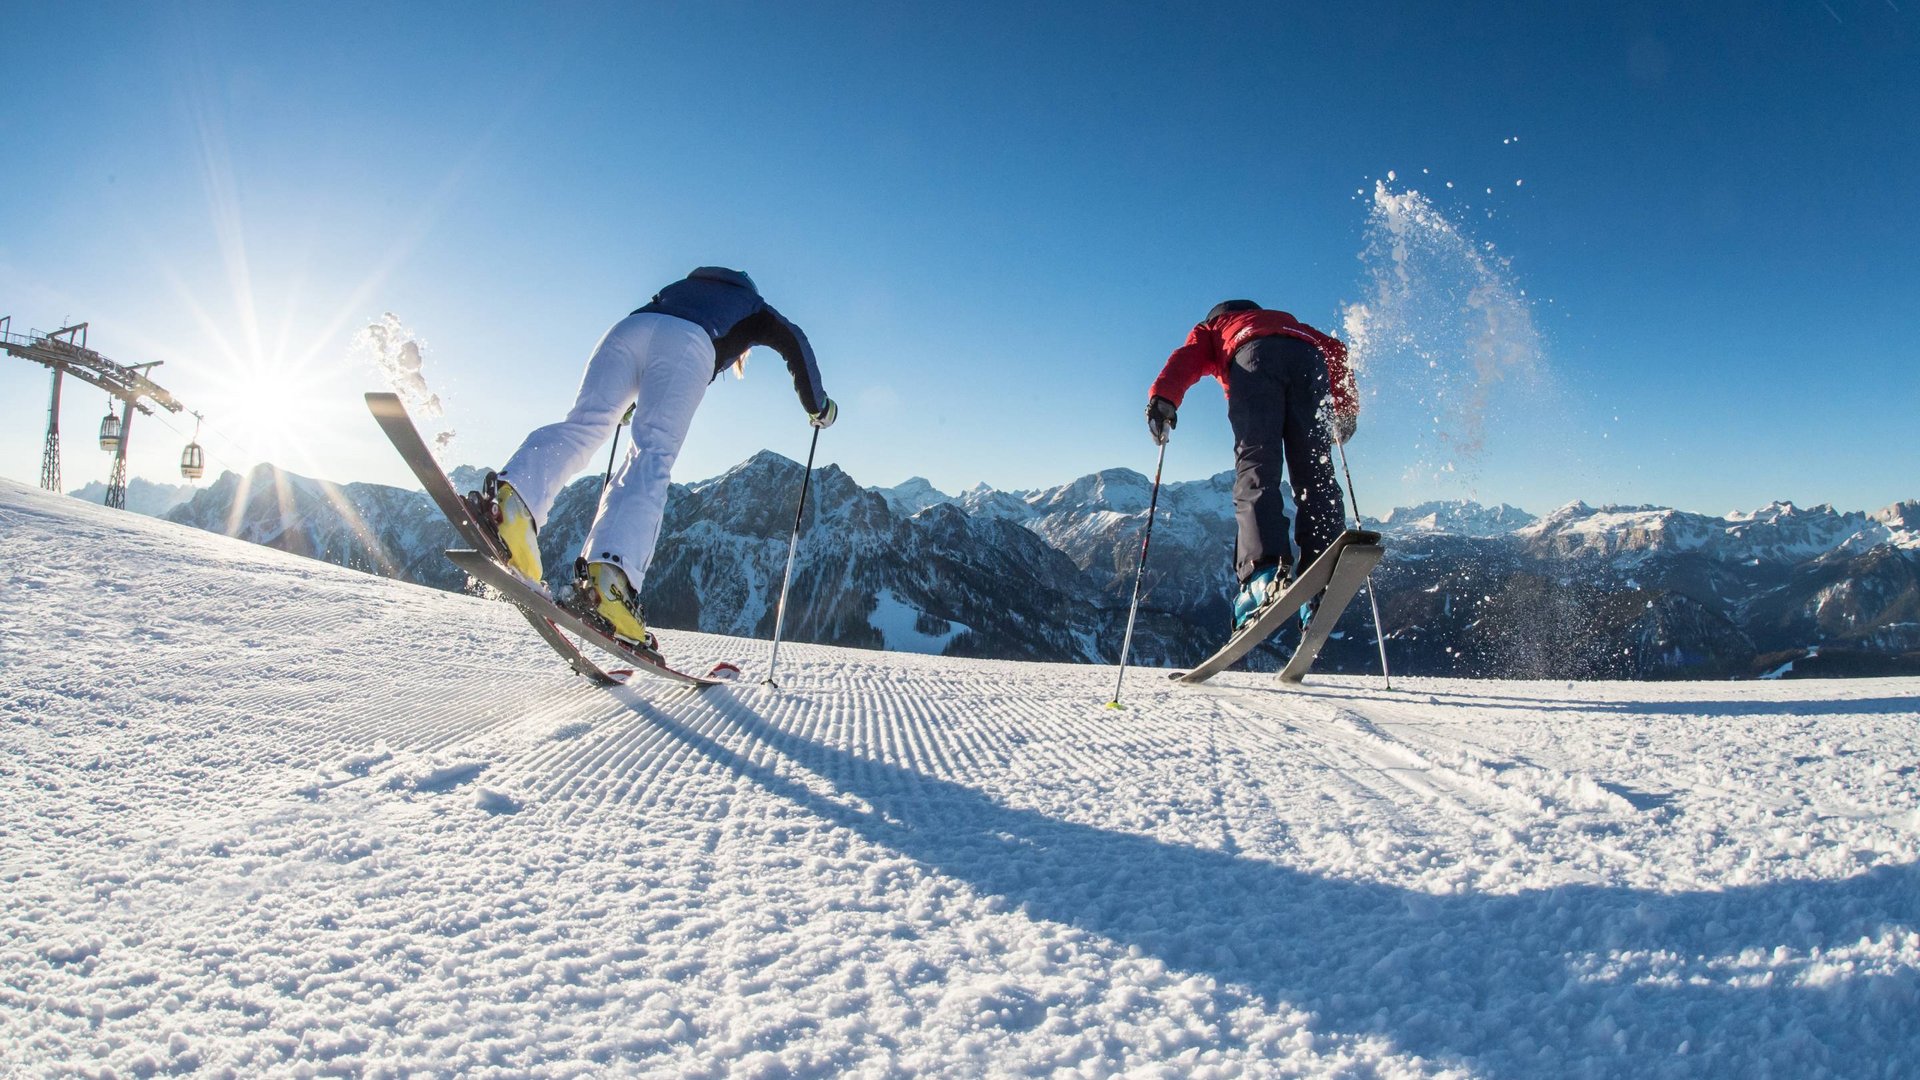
x,y
1225,306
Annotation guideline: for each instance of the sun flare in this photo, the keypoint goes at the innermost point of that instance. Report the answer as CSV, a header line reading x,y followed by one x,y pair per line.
x,y
263,412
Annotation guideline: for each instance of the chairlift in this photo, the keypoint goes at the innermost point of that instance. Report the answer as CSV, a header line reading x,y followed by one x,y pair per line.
x,y
192,462
110,432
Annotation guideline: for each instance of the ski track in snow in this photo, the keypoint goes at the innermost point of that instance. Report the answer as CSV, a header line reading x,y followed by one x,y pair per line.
x,y
264,815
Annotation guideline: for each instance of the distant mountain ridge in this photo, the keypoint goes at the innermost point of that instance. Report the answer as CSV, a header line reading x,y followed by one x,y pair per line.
x,y
1466,589
143,496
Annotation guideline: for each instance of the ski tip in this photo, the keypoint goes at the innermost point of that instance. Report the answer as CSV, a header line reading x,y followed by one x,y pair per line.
x,y
725,671
1176,676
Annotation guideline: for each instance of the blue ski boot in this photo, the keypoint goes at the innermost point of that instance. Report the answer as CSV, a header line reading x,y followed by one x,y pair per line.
x,y
1256,593
1306,612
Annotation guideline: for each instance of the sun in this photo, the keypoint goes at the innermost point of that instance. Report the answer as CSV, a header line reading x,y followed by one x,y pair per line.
x,y
264,410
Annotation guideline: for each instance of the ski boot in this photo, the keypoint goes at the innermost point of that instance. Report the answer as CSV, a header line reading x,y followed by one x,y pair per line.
x,y
1261,589
603,597
1305,614
501,511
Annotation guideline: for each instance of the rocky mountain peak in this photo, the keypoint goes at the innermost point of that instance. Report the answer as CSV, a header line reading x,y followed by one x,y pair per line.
x,y
1121,491
912,495
1903,516
1455,517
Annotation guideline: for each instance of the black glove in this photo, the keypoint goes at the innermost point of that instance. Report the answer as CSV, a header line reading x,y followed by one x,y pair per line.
x,y
826,416
1162,418
1344,425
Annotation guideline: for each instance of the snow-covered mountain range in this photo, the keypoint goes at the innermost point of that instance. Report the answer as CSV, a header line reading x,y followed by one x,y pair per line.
x,y
1471,590
143,496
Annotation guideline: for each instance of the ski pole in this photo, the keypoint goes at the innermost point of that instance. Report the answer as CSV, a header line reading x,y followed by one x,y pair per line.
x,y
1379,632
793,545
1139,572
627,419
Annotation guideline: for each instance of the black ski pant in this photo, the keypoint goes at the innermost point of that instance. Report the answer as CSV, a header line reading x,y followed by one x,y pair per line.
x,y
1279,401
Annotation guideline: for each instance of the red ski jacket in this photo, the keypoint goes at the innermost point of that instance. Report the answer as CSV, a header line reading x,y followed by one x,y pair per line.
x,y
1210,348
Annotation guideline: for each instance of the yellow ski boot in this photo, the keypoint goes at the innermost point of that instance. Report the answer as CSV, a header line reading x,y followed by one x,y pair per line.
x,y
513,523
611,597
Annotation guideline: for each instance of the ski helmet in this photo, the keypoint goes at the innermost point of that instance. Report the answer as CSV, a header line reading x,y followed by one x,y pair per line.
x,y
721,273
1225,306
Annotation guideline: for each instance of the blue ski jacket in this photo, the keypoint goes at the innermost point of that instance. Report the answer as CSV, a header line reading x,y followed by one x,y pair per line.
x,y
728,305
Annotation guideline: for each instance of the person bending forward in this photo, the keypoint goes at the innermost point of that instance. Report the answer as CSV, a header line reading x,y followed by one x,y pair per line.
x,y
1289,394
659,360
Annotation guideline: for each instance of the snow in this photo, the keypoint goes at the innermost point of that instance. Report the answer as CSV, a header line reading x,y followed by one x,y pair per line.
x,y
898,624
1454,518
1779,531
912,496
264,815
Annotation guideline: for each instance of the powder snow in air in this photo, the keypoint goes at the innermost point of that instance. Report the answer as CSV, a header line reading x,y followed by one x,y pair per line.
x,y
394,351
1442,329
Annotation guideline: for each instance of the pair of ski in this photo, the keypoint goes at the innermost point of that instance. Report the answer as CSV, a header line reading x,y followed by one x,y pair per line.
x,y
1340,570
487,563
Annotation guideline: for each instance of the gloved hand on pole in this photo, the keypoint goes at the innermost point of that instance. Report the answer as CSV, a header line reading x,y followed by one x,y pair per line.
x,y
1162,418
1344,425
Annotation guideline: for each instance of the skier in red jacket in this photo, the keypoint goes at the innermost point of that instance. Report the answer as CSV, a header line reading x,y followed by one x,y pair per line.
x,y
1289,394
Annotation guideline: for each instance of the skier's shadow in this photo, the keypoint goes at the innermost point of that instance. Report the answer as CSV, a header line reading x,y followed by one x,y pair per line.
x,y
1703,709
1576,980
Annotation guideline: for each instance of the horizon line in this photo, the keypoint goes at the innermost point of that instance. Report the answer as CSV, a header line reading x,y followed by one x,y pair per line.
x,y
1024,492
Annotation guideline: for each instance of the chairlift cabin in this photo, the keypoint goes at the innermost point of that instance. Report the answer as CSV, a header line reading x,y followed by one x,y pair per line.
x,y
192,462
110,432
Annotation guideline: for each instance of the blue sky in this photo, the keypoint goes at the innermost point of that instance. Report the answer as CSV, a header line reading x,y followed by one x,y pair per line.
x,y
994,222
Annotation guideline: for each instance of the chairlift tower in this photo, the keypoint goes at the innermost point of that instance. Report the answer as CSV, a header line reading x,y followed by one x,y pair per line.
x,y
64,352
50,458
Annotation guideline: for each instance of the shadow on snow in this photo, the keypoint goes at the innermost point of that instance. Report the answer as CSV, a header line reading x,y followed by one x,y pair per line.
x,y
1881,706
1561,981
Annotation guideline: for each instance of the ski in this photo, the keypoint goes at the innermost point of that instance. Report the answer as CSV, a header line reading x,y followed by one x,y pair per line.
x,y
536,605
1339,570
392,416
1356,562
393,419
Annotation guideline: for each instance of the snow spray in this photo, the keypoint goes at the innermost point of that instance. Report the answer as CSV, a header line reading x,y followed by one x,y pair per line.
x,y
1442,326
395,351
1449,358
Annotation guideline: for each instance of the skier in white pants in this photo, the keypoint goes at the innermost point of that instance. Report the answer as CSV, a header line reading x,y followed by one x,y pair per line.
x,y
659,359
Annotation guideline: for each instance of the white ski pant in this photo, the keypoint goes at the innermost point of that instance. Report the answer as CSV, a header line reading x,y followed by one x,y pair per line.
x,y
662,362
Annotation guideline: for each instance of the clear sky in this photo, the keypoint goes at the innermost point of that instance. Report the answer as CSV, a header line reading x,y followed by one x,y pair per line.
x,y
993,220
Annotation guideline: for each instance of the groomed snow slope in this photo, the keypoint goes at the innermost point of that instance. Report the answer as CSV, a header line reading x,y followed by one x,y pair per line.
x,y
264,815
